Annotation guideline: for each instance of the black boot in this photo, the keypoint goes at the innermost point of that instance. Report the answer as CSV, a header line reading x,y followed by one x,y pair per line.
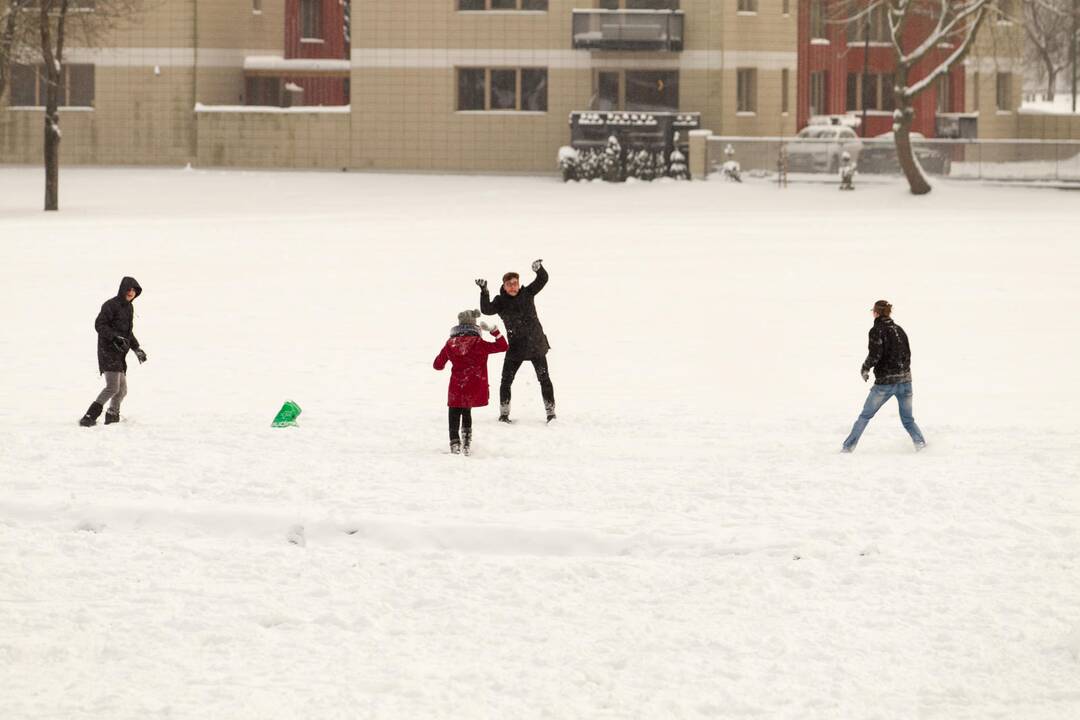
x,y
91,416
455,447
466,447
504,413
550,407
112,416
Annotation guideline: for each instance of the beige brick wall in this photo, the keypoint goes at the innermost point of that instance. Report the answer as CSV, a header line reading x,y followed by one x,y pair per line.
x,y
260,139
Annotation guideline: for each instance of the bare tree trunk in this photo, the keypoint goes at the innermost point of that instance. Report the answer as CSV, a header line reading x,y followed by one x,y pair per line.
x,y
1051,81
904,118
53,70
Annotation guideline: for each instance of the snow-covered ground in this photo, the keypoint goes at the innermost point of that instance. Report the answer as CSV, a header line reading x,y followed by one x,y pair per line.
x,y
1062,103
685,542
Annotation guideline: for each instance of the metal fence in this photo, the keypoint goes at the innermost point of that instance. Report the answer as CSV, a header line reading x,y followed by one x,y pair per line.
x,y
816,159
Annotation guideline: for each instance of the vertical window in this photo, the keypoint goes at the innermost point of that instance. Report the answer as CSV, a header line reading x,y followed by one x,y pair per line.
x,y
819,93
470,89
747,6
888,99
652,91
311,19
785,7
607,91
817,20
256,6
852,96
534,90
503,90
977,80
1004,91
944,94
746,90
785,89
870,92
23,85
80,85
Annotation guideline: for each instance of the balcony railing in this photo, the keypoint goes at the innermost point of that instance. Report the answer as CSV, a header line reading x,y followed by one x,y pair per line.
x,y
653,30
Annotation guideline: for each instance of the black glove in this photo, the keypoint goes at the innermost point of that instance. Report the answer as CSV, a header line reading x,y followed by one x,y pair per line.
x,y
141,355
536,265
865,374
481,283
121,344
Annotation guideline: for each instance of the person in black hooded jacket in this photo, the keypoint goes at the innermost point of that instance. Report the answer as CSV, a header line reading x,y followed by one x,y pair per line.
x,y
516,305
889,356
115,338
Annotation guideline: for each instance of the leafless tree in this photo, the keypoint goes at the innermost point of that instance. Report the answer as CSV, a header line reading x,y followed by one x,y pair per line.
x,y
45,29
1047,24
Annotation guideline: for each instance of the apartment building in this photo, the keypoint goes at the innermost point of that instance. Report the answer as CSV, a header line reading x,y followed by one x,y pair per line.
x,y
431,85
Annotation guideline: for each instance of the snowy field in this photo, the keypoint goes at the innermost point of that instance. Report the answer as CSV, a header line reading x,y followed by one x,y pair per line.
x,y
685,542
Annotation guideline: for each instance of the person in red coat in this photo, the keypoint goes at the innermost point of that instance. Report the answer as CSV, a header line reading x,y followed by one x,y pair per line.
x,y
467,353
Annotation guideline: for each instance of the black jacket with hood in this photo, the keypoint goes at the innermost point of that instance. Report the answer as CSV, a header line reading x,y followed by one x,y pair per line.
x,y
116,319
518,313
889,353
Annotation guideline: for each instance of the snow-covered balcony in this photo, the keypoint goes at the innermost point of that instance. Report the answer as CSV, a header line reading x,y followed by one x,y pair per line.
x,y
276,81
649,30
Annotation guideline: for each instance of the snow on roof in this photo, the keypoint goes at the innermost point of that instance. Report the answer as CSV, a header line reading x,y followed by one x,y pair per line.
x,y
276,62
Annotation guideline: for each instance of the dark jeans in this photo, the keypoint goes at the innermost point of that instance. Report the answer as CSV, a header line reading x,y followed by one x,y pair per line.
x,y
510,368
879,395
460,419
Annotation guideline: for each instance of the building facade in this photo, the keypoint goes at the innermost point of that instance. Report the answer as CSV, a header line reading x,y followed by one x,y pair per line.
x,y
436,85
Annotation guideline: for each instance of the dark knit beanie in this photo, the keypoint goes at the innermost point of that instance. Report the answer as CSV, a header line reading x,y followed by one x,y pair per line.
x,y
883,308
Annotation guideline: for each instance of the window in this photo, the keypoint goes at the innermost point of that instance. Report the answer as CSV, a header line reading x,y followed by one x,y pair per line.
x,y
502,4
607,91
256,6
749,6
819,93
311,19
874,22
785,7
28,86
263,91
944,94
785,87
638,4
471,83
652,91
977,81
869,92
817,20
534,90
746,90
503,85
507,89
1004,91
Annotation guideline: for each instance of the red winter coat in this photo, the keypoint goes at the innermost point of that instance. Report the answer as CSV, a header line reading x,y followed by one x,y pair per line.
x,y
469,379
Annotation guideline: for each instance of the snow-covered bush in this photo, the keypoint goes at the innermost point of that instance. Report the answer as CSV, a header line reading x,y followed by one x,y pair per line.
x,y
568,163
612,166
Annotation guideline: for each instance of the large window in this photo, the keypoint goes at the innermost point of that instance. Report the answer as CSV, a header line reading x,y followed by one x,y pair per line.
x,y
28,86
872,22
870,92
311,19
746,90
817,20
1004,91
652,90
512,89
747,6
502,4
819,93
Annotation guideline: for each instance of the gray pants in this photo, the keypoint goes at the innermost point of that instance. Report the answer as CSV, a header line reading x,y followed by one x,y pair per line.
x,y
115,391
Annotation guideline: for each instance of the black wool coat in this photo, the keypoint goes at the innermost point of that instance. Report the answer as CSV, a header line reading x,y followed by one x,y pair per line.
x,y
518,313
889,353
116,319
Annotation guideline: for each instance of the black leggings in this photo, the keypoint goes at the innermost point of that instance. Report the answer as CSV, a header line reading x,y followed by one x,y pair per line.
x,y
460,419
540,365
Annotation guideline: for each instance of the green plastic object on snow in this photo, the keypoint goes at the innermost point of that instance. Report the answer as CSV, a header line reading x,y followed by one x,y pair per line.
x,y
287,415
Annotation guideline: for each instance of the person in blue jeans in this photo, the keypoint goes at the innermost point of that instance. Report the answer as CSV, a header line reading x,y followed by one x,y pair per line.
x,y
890,358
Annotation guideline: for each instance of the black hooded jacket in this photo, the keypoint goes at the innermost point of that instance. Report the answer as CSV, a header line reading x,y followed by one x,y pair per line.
x,y
890,353
518,313
115,320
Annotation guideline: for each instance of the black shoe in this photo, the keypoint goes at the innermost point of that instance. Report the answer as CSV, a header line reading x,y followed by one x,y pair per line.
x,y
466,446
506,419
111,417
91,416
551,417
455,447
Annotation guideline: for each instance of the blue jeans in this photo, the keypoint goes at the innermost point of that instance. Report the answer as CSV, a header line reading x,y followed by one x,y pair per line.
x,y
879,395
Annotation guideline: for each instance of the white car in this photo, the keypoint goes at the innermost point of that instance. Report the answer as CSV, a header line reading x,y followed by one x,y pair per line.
x,y
817,148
